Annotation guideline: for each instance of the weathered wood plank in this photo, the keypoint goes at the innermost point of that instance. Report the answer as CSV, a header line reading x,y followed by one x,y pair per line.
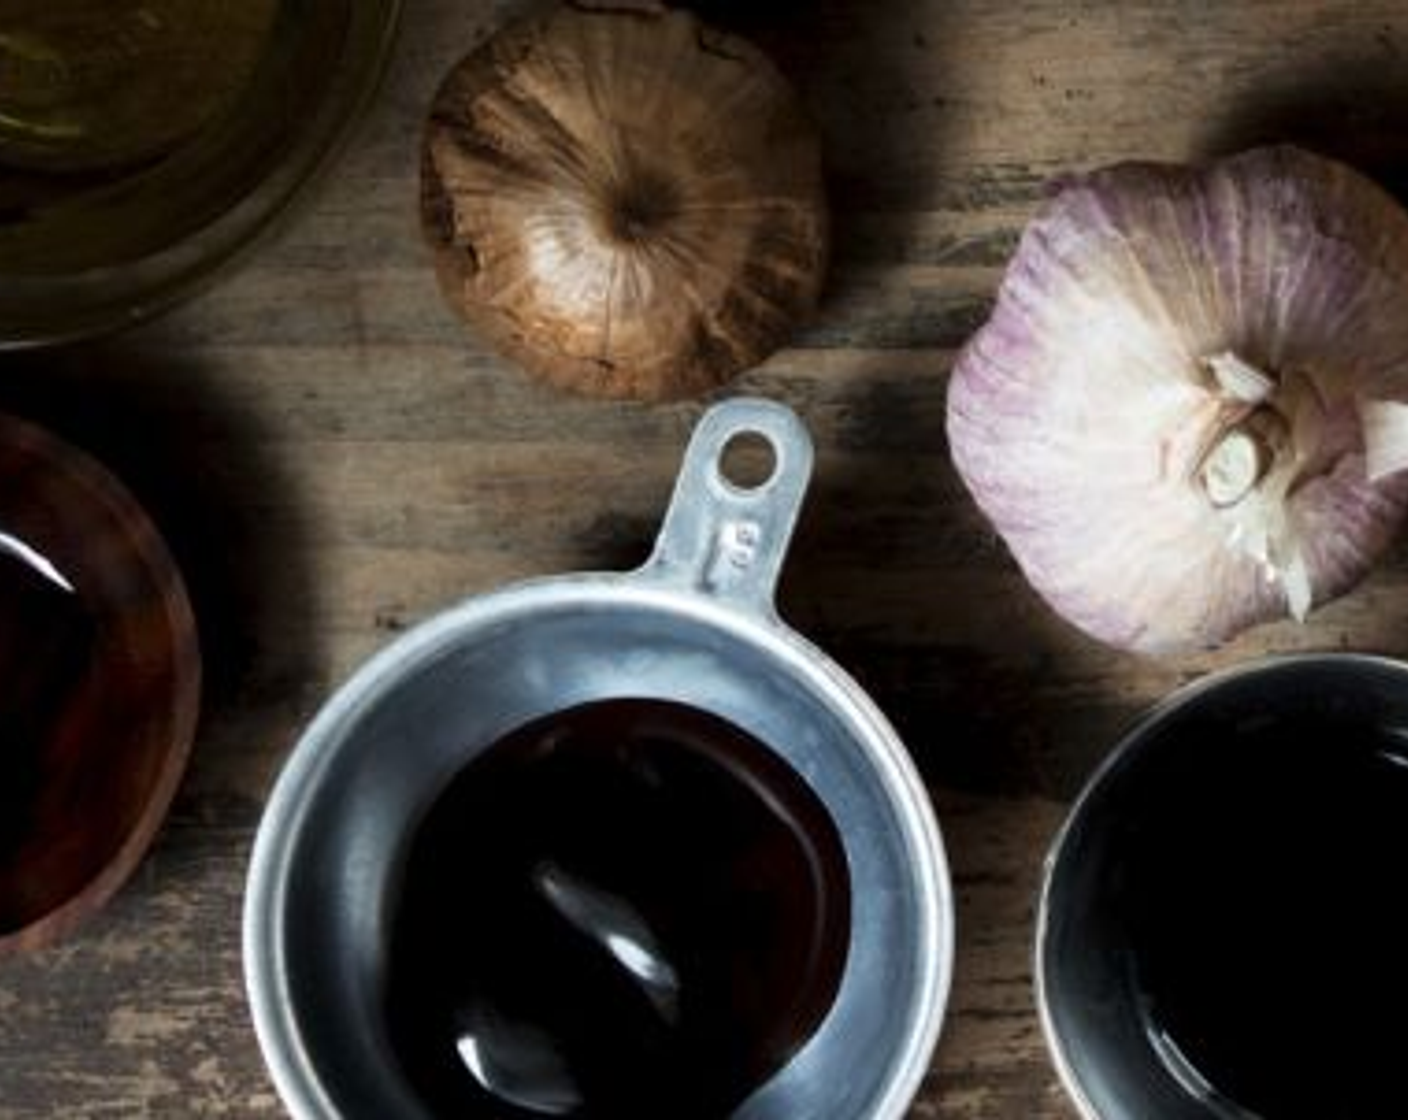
x,y
334,458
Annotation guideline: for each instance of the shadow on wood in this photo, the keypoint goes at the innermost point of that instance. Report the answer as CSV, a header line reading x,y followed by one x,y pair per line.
x,y
196,465
1352,109
869,74
897,575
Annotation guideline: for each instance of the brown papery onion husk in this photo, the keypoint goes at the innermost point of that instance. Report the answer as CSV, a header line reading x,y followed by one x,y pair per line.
x,y
624,201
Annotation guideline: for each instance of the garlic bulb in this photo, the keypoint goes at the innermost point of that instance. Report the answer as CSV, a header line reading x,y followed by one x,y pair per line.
x,y
624,201
1188,412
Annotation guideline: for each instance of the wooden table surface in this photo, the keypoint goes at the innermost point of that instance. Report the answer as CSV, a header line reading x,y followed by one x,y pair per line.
x,y
334,458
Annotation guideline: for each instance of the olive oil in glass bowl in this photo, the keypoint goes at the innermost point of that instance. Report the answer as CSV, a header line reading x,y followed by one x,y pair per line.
x,y
143,143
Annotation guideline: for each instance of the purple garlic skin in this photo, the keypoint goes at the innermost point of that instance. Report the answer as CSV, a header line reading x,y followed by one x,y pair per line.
x,y
1186,414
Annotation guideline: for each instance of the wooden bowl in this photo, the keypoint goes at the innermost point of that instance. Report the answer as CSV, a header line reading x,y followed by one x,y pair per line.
x,y
99,685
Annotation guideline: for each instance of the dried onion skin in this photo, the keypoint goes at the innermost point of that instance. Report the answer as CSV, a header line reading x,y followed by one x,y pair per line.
x,y
624,201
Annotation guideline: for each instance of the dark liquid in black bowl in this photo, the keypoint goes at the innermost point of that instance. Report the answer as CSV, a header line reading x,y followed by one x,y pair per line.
x,y
629,909
1267,893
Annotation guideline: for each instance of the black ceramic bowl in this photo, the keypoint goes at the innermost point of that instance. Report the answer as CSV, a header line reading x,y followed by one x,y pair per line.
x,y
1224,928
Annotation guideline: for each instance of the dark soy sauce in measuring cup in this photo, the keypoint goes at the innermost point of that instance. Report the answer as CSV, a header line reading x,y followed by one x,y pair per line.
x,y
1265,891
632,908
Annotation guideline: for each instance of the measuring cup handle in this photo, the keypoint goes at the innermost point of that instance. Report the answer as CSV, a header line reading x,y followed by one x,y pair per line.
x,y
722,539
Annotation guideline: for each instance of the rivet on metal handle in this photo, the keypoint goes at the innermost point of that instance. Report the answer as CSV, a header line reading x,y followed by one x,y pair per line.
x,y
725,540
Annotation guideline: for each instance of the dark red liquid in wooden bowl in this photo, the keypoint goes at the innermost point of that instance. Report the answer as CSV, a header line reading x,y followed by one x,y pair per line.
x,y
99,683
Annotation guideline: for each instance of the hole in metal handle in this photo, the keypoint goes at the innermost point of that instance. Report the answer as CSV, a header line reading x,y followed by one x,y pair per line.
x,y
748,462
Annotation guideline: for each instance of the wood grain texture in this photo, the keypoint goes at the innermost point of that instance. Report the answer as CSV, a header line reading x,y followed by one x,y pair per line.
x,y
334,457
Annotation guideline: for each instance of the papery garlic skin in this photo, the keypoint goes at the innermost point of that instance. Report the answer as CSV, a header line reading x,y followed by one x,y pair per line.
x,y
1166,415
624,201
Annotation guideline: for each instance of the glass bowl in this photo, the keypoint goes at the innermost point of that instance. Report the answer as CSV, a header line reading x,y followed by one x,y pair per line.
x,y
141,151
